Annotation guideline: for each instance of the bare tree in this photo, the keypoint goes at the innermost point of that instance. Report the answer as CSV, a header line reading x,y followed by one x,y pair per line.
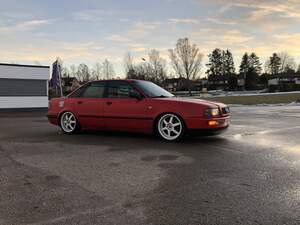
x,y
287,62
128,63
65,72
83,73
108,71
97,72
186,60
73,70
157,67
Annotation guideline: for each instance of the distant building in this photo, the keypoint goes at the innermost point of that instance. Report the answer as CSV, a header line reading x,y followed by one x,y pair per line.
x,y
23,86
175,84
181,84
217,82
284,79
240,84
200,84
284,82
221,82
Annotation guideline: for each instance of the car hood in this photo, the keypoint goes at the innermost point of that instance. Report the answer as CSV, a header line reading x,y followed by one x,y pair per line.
x,y
209,104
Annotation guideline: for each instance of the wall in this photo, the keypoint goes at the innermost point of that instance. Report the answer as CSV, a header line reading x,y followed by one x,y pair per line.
x,y
23,86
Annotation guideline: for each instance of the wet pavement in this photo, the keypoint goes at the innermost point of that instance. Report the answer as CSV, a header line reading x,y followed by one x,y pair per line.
x,y
248,175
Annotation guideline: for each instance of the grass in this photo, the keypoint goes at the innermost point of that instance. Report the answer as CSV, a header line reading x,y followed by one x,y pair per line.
x,y
258,99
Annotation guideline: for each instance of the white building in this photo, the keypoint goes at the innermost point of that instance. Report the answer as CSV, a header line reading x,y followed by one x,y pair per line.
x,y
23,86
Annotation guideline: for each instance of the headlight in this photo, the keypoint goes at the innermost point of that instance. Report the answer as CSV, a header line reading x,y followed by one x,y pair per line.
x,y
212,112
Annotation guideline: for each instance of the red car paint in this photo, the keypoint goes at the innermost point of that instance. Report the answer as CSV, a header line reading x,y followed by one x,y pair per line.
x,y
137,115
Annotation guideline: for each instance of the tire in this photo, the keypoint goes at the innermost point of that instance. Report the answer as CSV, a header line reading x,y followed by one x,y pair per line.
x,y
170,127
68,123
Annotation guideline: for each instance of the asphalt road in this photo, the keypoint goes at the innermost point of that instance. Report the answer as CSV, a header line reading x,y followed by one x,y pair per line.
x,y
248,175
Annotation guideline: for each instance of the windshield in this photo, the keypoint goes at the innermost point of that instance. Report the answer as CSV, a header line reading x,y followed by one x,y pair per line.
x,y
152,90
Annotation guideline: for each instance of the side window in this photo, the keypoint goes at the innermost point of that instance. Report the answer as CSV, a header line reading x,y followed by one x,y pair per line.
x,y
118,89
78,92
95,90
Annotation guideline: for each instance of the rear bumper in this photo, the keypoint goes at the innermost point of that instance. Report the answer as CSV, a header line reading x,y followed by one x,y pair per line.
x,y
52,119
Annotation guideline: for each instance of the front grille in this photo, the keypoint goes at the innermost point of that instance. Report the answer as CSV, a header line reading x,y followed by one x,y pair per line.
x,y
225,110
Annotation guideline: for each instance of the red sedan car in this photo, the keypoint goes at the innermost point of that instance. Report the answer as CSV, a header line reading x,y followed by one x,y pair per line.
x,y
136,106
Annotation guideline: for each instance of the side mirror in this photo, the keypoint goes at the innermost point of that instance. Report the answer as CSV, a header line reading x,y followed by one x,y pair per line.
x,y
135,94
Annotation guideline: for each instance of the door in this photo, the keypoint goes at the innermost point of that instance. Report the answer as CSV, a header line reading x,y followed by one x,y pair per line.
x,y
89,105
122,112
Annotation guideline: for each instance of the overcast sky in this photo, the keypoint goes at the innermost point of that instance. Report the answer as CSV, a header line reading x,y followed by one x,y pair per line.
x,y
91,30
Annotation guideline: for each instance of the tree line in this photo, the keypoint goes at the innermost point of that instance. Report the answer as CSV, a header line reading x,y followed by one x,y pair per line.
x,y
185,59
83,73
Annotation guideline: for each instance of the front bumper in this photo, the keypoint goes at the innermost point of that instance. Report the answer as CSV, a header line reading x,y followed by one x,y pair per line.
x,y
208,131
207,123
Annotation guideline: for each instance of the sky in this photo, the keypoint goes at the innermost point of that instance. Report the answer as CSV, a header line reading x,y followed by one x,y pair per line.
x,y
89,31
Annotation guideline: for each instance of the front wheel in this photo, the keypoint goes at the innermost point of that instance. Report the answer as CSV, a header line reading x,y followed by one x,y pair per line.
x,y
68,123
170,127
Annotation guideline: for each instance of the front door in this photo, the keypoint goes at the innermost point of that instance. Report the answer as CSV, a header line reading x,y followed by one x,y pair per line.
x,y
122,112
89,105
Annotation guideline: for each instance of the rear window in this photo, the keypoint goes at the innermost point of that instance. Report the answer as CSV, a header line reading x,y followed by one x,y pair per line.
x,y
92,90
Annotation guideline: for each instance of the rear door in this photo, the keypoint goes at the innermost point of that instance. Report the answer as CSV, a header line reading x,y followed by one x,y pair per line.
x,y
89,105
122,112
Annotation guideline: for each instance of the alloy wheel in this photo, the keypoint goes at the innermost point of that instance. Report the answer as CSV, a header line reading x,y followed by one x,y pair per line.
x,y
170,127
68,122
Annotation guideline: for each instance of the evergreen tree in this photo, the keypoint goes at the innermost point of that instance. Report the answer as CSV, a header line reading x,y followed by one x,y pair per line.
x,y
250,68
274,64
215,64
255,64
227,63
298,70
245,64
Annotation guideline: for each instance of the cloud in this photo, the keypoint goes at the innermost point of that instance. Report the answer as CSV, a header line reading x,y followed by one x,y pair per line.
x,y
221,37
118,38
93,15
264,16
288,42
140,29
138,47
221,21
184,21
285,8
24,26
46,51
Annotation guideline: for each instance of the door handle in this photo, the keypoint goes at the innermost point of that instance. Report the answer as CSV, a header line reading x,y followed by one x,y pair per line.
x,y
108,103
79,102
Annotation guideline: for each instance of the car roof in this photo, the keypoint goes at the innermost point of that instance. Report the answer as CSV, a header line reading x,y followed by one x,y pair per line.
x,y
116,80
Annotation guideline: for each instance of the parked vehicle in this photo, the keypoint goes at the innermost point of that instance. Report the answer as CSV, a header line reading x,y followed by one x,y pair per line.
x,y
136,106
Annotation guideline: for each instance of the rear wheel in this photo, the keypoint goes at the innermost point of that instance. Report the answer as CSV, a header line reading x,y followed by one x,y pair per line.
x,y
68,123
170,127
